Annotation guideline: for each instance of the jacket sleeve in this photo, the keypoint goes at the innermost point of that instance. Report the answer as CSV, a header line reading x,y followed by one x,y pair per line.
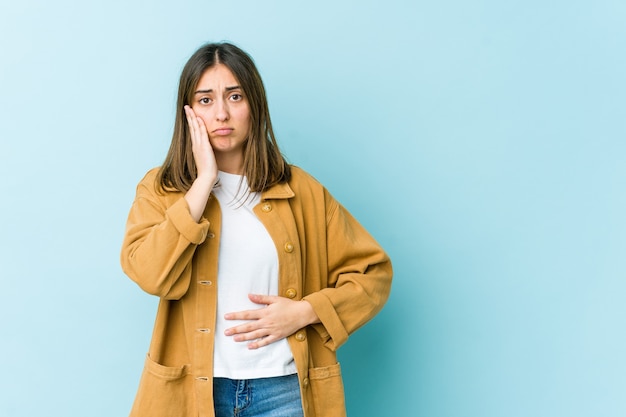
x,y
359,278
160,241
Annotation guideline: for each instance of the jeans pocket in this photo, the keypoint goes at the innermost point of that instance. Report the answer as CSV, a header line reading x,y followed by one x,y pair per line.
x,y
327,390
164,391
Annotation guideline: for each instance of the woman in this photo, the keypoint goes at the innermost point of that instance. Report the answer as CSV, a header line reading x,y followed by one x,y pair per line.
x,y
261,274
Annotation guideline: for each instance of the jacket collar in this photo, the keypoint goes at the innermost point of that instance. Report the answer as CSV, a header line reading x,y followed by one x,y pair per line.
x,y
278,191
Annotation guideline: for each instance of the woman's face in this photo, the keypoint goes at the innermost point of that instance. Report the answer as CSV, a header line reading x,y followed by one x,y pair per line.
x,y
219,101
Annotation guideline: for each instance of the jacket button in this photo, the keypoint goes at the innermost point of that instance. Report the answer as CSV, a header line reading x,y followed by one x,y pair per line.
x,y
288,247
291,293
300,336
210,235
207,283
305,382
266,207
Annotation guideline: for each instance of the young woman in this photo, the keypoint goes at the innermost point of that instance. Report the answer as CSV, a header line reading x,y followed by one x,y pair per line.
x,y
261,274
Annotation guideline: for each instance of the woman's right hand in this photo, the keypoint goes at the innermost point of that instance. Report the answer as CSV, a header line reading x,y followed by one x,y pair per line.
x,y
206,166
200,146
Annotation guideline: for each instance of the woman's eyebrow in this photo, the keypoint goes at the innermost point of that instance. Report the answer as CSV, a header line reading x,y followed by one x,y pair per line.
x,y
234,87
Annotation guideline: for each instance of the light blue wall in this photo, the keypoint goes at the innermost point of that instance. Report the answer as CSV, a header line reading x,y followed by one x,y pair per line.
x,y
482,143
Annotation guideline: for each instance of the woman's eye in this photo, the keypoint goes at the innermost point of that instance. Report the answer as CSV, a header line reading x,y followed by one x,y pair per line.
x,y
205,100
236,97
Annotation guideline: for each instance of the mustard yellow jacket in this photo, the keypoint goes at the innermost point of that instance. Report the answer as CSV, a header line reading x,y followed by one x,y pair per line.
x,y
325,257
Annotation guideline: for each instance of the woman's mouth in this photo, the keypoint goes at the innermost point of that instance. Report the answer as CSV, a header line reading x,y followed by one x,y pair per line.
x,y
222,131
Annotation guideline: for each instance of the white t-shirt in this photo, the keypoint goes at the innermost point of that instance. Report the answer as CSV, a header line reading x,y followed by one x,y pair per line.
x,y
247,264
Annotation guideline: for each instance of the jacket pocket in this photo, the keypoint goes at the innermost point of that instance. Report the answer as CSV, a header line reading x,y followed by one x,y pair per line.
x,y
164,391
327,390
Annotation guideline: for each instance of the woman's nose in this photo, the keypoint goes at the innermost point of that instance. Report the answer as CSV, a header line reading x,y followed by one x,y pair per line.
x,y
222,111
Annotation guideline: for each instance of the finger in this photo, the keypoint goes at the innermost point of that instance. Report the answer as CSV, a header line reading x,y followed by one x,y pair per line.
x,y
192,122
264,341
197,129
242,328
246,337
204,133
244,315
189,114
263,299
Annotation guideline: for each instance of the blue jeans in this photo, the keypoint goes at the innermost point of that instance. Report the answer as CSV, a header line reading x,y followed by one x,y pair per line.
x,y
263,397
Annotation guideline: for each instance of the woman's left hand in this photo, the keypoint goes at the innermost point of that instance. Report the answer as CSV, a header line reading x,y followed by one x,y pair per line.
x,y
281,317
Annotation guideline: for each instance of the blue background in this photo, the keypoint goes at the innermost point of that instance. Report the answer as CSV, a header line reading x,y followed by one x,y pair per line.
x,y
482,143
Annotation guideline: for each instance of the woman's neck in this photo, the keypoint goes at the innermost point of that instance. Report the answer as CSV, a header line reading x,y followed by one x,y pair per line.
x,y
231,164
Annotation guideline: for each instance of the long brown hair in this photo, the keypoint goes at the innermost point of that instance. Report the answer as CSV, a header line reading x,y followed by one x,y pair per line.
x,y
263,163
